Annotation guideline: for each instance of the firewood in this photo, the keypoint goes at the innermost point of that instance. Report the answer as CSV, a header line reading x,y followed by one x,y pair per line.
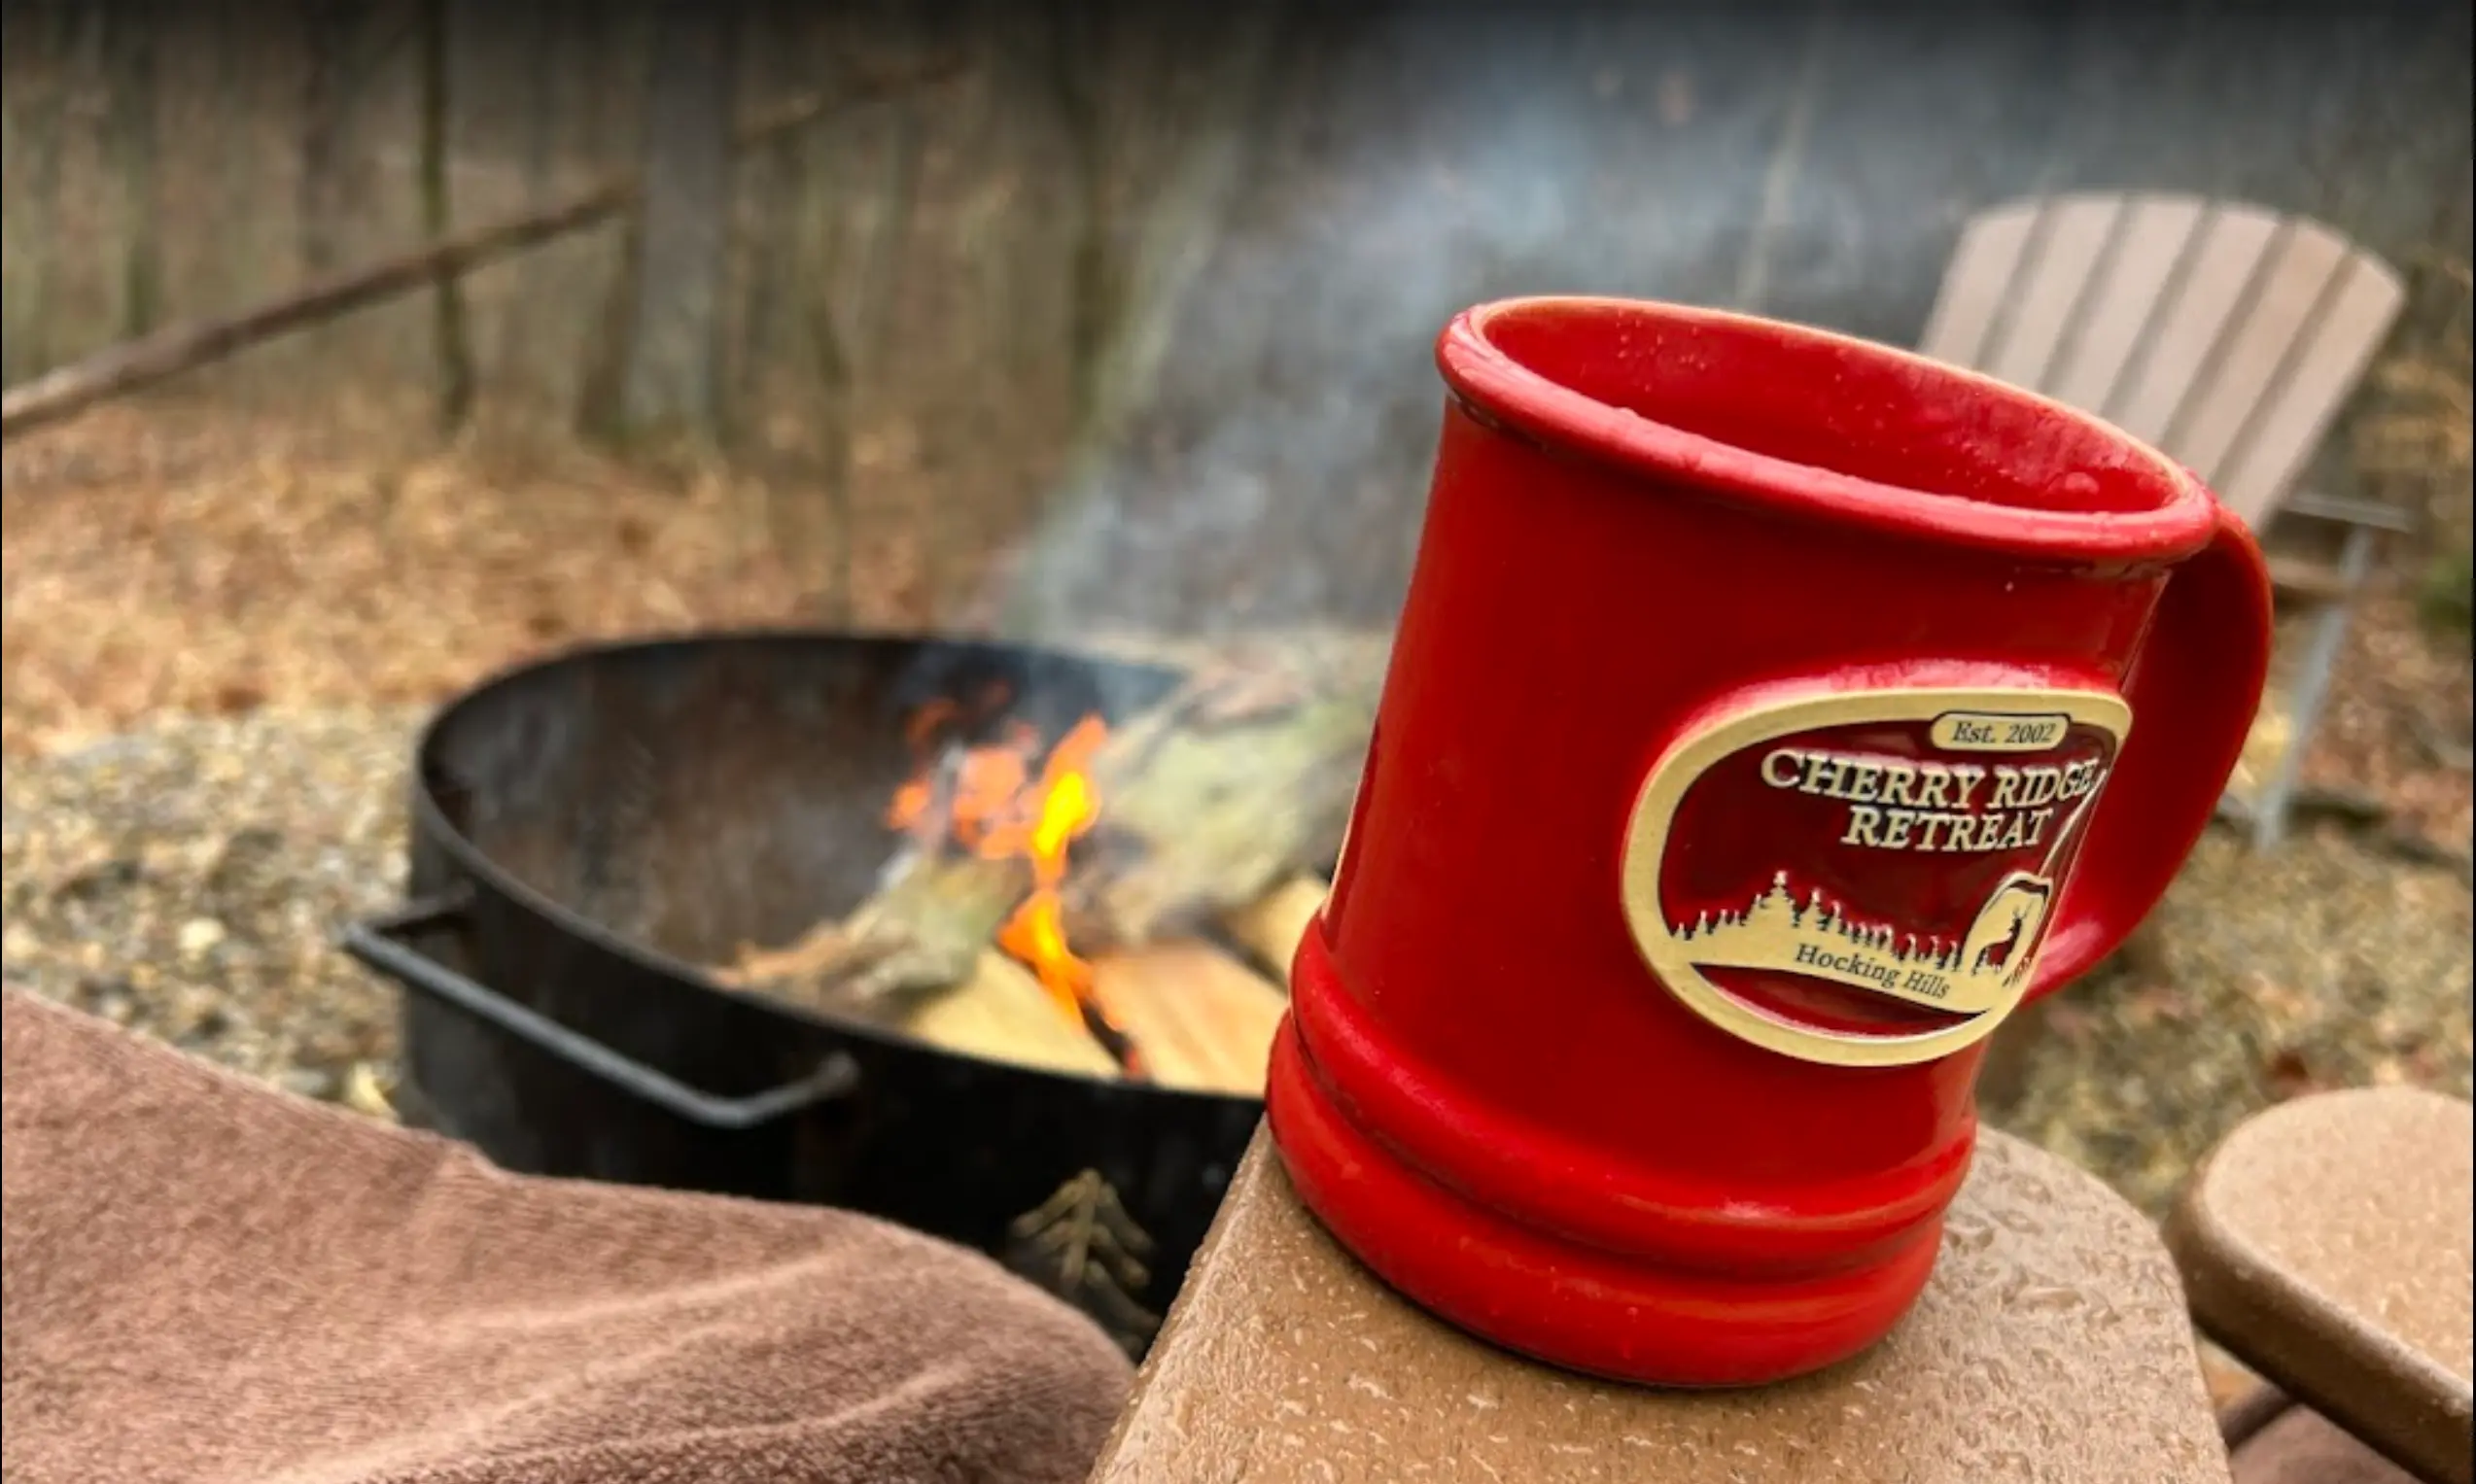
x,y
1198,1018
1210,801
1243,778
1270,927
923,934
1240,780
1003,1013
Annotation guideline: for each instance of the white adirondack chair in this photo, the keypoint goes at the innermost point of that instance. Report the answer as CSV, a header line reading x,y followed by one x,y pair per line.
x,y
2225,335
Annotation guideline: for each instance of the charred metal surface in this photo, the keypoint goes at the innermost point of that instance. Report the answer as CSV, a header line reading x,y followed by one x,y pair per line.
x,y
606,822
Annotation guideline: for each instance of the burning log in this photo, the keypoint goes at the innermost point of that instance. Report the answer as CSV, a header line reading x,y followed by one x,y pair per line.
x,y
1268,928
1207,813
1192,1016
1198,807
1002,1012
1195,1016
1216,799
920,937
1198,1018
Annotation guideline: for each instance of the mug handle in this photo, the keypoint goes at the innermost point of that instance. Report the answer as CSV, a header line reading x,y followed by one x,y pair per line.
x,y
2194,691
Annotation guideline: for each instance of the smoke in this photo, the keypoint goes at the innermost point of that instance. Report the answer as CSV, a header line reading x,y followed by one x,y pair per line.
x,y
1279,466
1812,162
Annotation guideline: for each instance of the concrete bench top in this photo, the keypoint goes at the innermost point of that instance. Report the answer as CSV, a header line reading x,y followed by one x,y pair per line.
x,y
2052,1344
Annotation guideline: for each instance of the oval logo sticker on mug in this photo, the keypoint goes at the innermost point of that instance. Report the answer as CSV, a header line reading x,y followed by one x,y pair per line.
x,y
1866,878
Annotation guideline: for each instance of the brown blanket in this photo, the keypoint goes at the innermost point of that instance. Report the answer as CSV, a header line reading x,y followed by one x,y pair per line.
x,y
208,1281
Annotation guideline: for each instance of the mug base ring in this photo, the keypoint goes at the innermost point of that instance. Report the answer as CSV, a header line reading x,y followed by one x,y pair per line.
x,y
1570,1305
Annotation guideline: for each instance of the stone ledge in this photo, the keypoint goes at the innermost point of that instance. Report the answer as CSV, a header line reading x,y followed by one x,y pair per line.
x,y
2052,1344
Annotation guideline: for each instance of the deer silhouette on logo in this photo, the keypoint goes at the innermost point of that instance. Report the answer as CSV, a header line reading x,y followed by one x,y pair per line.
x,y
1995,954
1998,942
2025,895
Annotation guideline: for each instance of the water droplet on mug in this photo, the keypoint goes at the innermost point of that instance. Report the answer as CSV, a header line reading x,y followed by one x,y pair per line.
x,y
2047,1298
2078,487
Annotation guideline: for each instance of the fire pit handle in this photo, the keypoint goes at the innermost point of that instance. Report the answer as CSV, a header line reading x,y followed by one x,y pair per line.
x,y
377,944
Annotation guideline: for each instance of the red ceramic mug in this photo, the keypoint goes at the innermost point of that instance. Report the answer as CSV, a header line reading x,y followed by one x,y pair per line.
x,y
1771,714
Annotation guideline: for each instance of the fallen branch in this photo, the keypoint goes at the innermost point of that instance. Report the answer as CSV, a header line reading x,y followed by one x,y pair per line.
x,y
134,364
2355,806
2409,846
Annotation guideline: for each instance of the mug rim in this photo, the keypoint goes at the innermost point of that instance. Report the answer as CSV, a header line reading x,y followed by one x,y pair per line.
x,y
1492,381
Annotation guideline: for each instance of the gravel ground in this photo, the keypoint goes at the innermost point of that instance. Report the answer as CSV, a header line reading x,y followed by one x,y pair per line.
x,y
188,880
2328,962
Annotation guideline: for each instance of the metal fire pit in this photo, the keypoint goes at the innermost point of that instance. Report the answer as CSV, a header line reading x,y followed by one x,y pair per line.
x,y
590,832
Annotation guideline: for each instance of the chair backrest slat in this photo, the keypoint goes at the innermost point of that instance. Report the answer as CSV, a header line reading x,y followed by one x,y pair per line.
x,y
2150,243
2288,289
2326,366
2216,281
1976,283
2071,247
2220,333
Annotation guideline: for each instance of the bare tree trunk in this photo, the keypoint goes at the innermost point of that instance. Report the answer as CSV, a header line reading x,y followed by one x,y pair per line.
x,y
1178,233
130,38
897,193
1095,286
1787,159
834,453
777,37
537,77
187,345
611,47
449,339
329,28
829,533
237,31
683,229
541,82
28,341
343,60
762,230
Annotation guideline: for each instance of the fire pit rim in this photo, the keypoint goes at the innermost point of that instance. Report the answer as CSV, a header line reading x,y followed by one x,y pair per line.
x,y
471,859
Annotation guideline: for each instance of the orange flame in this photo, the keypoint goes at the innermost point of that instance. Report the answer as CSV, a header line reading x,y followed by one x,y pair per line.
x,y
1066,807
995,808
985,787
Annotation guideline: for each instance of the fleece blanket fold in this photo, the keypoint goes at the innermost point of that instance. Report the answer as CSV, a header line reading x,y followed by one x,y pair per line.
x,y
208,1281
